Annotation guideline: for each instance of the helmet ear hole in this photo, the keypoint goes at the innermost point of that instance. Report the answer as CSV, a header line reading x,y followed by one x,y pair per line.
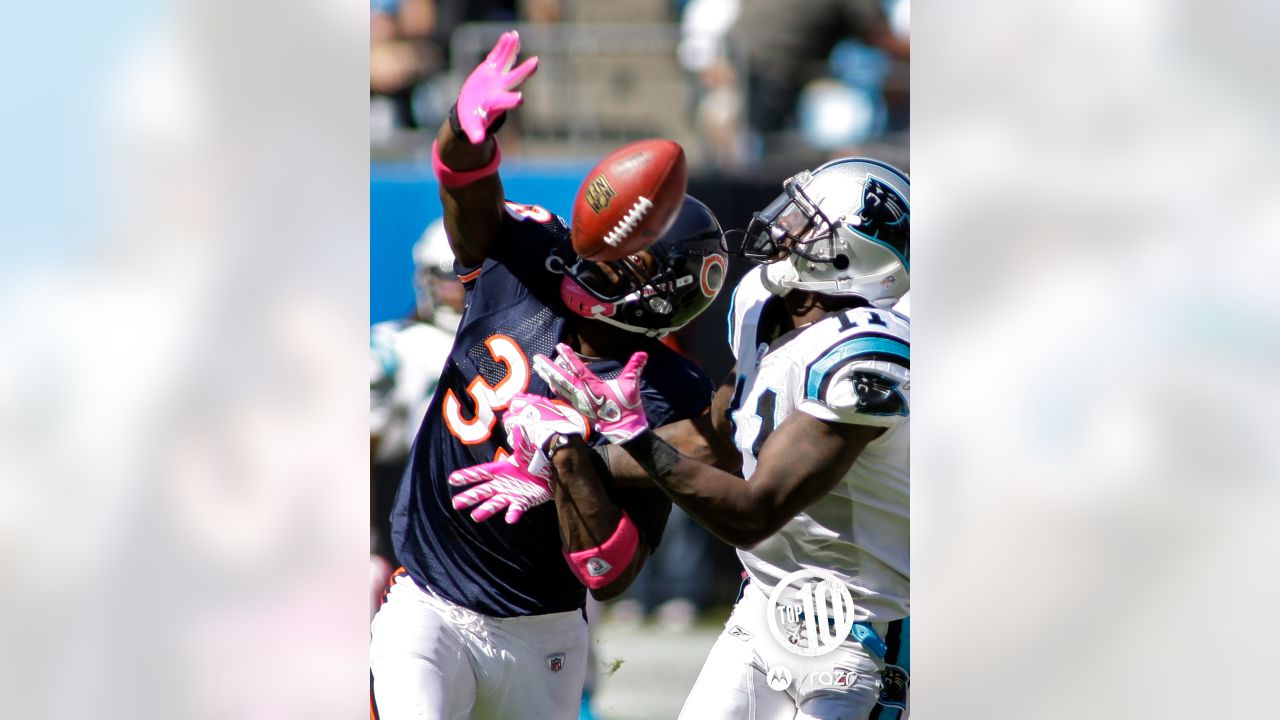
x,y
841,262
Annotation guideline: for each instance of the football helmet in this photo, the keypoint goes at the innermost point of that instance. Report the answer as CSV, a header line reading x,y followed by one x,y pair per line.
x,y
659,289
842,229
432,271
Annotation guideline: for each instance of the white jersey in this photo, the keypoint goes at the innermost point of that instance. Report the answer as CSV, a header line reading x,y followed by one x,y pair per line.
x,y
405,363
903,306
851,367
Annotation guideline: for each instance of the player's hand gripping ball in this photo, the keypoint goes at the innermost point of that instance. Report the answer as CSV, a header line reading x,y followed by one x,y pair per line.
x,y
629,199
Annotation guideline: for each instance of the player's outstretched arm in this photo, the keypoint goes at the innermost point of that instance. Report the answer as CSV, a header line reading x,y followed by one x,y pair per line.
x,y
604,545
465,155
800,462
707,439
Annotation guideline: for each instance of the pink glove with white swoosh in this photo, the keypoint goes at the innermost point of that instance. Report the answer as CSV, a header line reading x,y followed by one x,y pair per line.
x,y
488,91
613,406
522,480
502,485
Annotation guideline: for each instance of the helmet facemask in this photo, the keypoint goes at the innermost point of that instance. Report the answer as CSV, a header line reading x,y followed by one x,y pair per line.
x,y
616,281
603,290
792,224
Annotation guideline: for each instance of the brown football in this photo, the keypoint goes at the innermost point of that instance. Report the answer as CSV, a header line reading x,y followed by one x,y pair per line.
x,y
629,199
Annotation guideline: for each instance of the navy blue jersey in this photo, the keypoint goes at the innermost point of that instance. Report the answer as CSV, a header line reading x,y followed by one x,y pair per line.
x,y
514,312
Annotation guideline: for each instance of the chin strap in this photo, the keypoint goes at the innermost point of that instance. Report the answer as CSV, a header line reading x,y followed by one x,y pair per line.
x,y
585,305
777,275
647,332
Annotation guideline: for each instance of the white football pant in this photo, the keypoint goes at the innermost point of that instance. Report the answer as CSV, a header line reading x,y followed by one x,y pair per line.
x,y
433,660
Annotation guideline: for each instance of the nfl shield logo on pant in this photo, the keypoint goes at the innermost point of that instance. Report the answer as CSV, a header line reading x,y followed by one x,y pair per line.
x,y
555,661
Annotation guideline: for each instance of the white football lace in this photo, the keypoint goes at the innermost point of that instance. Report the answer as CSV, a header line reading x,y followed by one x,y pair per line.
x,y
629,221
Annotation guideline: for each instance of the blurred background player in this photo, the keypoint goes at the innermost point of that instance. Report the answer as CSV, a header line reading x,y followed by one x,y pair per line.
x,y
486,620
406,358
820,414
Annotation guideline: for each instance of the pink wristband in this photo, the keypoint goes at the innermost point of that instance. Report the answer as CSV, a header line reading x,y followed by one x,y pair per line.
x,y
451,178
597,567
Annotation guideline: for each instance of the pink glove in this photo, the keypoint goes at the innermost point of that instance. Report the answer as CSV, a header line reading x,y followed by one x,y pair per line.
x,y
503,485
487,93
530,420
522,480
613,406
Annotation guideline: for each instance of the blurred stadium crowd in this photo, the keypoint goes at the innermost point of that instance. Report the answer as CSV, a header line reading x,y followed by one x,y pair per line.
x,y
737,82
754,90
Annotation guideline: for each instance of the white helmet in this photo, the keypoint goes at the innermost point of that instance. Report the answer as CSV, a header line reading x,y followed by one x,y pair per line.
x,y
432,256
843,229
432,251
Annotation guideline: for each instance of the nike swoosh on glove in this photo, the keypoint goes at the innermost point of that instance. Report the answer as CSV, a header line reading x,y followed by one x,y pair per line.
x,y
613,406
489,90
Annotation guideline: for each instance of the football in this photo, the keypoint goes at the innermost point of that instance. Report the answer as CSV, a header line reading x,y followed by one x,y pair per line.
x,y
628,200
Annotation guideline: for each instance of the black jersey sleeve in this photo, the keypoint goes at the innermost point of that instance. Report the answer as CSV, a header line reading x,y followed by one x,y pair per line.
x,y
533,246
674,388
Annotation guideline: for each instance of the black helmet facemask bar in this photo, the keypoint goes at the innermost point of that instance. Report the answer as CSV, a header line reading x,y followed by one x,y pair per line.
x,y
632,278
792,223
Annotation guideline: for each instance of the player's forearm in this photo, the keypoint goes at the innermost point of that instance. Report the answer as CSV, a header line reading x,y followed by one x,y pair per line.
x,y
588,517
587,514
472,212
696,439
722,503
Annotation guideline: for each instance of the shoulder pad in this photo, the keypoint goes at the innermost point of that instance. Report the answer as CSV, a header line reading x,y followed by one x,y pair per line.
x,y
747,295
864,373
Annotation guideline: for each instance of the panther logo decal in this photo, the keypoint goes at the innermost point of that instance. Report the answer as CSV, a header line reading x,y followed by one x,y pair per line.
x,y
884,216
